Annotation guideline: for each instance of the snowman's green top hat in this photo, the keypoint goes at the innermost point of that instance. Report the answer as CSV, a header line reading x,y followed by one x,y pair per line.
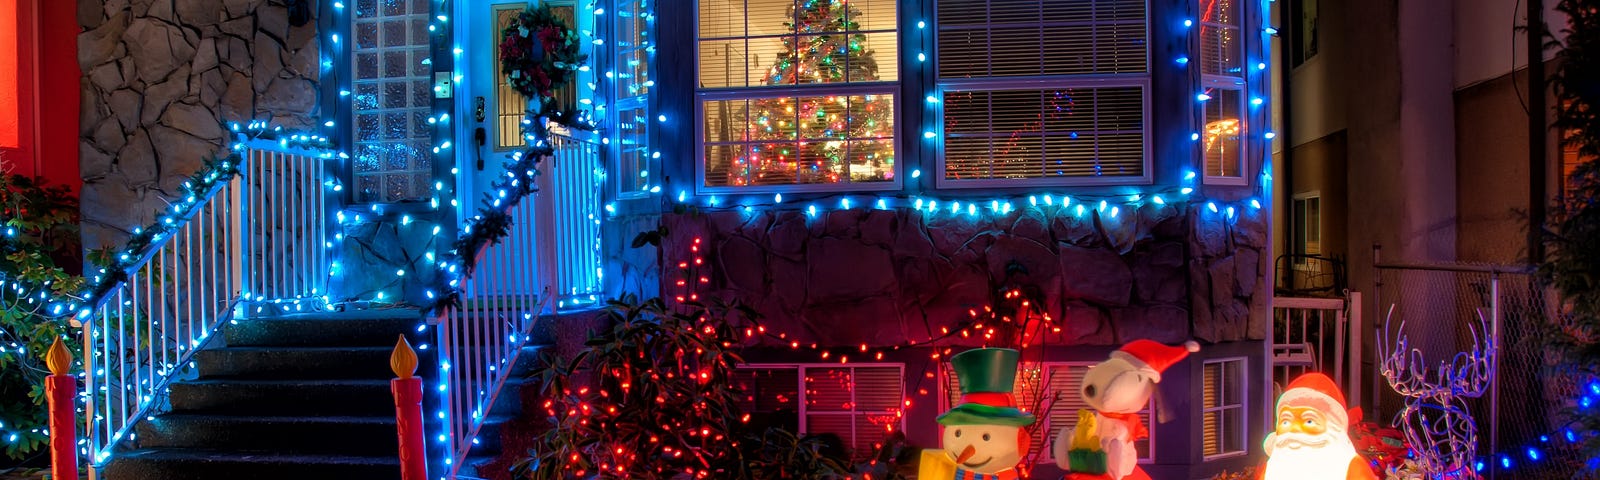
x,y
987,377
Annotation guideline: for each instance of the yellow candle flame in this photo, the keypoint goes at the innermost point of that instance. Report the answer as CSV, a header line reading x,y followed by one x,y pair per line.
x,y
58,359
404,360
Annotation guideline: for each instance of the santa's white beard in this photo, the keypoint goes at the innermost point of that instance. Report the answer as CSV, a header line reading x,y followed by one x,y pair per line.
x,y
1309,457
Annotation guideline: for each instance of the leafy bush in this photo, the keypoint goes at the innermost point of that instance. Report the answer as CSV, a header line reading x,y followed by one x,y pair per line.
x,y
653,397
1573,263
38,247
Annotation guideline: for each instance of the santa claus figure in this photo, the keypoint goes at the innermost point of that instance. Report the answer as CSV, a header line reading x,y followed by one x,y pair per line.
x,y
1312,440
1117,389
984,436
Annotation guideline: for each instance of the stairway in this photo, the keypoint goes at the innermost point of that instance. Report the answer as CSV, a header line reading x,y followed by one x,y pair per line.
x,y
303,396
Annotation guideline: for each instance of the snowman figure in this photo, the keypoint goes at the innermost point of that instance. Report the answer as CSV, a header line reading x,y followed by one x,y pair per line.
x,y
1117,389
984,436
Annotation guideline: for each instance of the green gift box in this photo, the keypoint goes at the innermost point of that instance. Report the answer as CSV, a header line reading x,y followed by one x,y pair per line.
x,y
1086,461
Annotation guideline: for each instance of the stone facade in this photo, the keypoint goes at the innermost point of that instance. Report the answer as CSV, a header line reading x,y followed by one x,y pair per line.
x,y
160,77
887,277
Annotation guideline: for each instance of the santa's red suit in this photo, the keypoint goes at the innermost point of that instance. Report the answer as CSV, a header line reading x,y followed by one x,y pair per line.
x,y
1312,440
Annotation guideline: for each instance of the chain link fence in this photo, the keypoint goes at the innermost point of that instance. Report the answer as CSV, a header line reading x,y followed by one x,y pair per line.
x,y
1522,408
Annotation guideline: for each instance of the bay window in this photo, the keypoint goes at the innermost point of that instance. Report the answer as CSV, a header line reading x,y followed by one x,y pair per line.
x,y
797,94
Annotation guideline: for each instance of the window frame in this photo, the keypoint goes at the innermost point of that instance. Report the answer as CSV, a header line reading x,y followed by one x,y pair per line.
x,y
1242,408
337,100
897,88
1299,204
1148,414
939,86
622,102
802,410
1239,83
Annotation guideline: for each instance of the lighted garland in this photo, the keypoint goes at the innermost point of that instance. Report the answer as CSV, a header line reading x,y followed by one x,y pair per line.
x,y
192,197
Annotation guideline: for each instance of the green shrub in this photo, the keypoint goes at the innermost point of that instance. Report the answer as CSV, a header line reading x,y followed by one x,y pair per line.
x,y
653,397
38,247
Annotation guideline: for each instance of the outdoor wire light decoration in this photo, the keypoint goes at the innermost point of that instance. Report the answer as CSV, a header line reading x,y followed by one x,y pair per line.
x,y
1435,417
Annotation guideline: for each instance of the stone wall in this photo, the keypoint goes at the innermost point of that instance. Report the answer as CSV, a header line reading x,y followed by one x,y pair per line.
x,y
161,77
885,277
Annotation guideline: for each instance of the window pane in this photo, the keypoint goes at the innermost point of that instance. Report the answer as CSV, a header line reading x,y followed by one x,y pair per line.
x,y
1041,37
829,390
799,140
1223,131
782,42
393,96
1023,134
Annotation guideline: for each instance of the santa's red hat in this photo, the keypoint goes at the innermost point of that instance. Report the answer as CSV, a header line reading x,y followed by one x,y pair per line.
x,y
1153,357
1317,391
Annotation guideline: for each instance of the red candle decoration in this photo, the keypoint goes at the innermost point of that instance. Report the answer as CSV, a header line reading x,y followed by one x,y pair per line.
x,y
61,388
407,390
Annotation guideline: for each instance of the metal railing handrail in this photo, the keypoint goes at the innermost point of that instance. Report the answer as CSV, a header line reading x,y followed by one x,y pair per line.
x,y
495,306
214,218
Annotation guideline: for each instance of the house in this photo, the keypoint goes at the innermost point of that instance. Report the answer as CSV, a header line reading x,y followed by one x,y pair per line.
x,y
864,174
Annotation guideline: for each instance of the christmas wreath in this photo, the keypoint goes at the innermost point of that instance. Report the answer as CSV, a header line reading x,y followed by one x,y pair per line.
x,y
539,53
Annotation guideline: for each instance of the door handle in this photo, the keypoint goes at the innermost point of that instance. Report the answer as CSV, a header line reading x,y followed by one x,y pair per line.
x,y
478,110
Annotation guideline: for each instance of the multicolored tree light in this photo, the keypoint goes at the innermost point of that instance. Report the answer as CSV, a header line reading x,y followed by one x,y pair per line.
x,y
820,139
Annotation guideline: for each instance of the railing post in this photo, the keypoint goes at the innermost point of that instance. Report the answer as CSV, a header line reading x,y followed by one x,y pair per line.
x,y
1357,334
407,390
60,388
1494,381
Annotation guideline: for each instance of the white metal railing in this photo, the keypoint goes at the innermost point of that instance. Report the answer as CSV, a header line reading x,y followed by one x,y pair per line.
x,y
556,228
569,200
480,337
1318,335
140,334
287,207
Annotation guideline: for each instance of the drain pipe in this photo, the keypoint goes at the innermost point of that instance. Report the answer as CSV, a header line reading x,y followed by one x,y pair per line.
x,y
1286,164
1537,132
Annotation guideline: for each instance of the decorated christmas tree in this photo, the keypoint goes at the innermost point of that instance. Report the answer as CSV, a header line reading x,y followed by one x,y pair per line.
x,y
840,138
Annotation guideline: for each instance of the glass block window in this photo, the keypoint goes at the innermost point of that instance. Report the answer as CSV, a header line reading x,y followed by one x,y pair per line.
x,y
862,405
1043,92
1222,77
837,63
1222,405
1052,387
635,50
392,95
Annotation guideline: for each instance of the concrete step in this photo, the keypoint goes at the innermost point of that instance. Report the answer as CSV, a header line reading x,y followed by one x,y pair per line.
x,y
283,397
334,435
276,362
362,328
210,464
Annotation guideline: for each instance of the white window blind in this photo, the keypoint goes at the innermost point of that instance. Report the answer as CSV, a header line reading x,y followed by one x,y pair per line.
x,y
1223,423
1051,392
862,405
1022,134
1001,38
392,95
1043,92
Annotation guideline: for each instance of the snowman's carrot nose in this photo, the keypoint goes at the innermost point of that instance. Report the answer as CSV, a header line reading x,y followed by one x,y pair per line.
x,y
966,454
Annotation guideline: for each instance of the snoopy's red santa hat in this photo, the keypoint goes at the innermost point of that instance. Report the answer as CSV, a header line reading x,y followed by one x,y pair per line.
x,y
1317,391
1153,357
